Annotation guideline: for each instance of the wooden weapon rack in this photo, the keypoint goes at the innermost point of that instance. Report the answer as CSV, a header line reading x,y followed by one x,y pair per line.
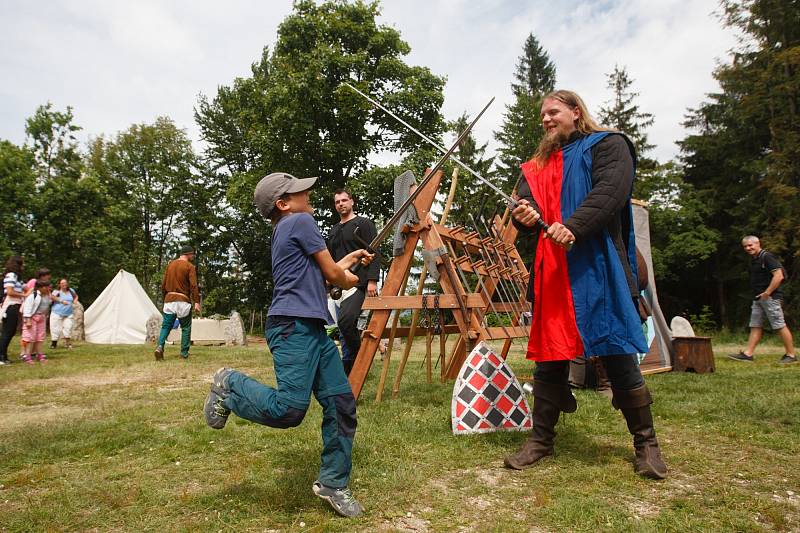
x,y
478,274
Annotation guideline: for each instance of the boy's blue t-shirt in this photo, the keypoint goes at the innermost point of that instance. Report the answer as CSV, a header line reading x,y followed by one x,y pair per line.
x,y
299,284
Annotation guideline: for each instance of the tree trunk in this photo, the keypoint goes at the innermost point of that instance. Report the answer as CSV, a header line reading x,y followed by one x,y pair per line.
x,y
723,306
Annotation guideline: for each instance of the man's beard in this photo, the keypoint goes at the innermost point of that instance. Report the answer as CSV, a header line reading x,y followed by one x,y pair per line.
x,y
552,141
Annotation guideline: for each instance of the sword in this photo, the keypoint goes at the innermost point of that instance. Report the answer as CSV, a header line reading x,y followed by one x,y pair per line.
x,y
389,225
511,201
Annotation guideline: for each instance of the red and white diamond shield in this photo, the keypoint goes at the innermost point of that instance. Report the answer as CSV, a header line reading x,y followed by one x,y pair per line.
x,y
487,396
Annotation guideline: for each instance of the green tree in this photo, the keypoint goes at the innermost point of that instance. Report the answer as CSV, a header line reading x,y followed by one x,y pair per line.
x,y
623,114
72,235
17,190
204,222
150,173
63,208
293,114
744,157
52,137
521,131
681,244
469,188
535,72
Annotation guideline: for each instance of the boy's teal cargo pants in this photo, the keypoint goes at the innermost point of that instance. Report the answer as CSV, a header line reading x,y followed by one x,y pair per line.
x,y
306,360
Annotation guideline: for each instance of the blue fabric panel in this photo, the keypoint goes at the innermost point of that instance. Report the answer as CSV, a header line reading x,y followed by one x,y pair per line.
x,y
604,311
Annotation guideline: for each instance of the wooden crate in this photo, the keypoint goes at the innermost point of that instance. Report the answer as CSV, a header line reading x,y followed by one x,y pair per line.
x,y
693,354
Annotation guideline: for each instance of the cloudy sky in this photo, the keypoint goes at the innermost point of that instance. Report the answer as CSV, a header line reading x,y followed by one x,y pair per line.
x,y
121,63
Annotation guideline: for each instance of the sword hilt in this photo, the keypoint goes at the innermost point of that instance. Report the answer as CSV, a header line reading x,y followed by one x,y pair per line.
x,y
541,224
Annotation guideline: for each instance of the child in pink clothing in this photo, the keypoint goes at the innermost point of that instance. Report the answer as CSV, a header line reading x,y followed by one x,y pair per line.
x,y
43,274
34,320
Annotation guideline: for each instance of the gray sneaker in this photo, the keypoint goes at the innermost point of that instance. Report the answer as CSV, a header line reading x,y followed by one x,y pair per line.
x,y
741,356
214,409
342,500
786,359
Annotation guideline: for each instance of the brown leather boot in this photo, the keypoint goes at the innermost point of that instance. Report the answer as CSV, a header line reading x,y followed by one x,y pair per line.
x,y
549,400
635,406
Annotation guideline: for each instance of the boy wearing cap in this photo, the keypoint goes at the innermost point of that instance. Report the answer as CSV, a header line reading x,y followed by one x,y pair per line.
x,y
306,360
179,288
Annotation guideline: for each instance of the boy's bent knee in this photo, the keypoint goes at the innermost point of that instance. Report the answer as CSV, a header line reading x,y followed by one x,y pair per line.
x,y
292,418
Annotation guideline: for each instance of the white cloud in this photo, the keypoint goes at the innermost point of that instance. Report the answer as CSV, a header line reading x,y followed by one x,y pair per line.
x,y
669,47
120,63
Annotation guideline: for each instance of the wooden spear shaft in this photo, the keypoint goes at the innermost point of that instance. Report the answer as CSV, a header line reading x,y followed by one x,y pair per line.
x,y
387,356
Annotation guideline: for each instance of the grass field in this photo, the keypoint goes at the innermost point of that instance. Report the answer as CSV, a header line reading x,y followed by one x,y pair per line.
x,y
104,438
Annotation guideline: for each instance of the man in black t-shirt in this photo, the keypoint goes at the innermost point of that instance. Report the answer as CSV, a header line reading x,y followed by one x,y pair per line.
x,y
341,241
766,276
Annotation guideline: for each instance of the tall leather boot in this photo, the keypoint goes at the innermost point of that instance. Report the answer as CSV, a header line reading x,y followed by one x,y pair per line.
x,y
635,406
548,402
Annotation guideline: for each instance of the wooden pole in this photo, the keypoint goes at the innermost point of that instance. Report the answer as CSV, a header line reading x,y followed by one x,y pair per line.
x,y
445,213
387,356
450,196
428,355
442,348
410,339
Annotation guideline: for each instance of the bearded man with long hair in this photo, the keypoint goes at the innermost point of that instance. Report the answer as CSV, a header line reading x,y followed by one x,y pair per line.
x,y
583,280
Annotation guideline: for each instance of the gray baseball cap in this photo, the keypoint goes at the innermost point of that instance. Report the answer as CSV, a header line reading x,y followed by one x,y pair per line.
x,y
272,187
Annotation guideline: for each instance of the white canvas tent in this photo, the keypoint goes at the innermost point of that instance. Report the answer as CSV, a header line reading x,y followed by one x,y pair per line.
x,y
119,315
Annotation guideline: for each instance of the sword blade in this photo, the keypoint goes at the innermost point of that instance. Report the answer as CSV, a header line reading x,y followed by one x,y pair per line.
x,y
436,145
512,203
389,226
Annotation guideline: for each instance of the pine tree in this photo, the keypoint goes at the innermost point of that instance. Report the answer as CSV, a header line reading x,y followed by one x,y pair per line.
x,y
469,188
744,157
521,131
535,74
622,113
